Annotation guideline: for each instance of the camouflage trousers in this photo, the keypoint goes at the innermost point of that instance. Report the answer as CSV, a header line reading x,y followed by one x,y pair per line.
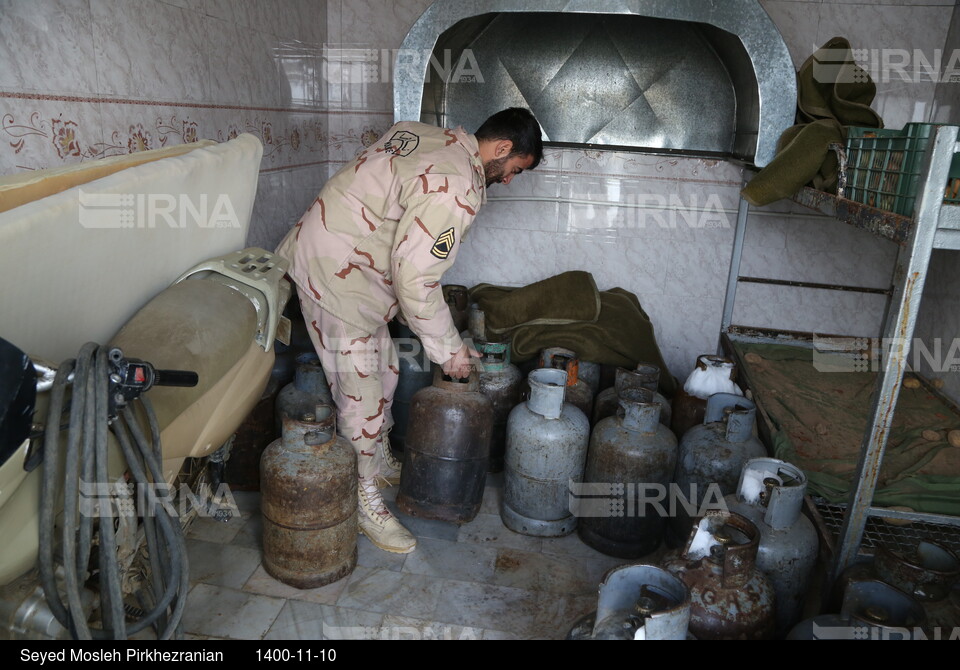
x,y
362,371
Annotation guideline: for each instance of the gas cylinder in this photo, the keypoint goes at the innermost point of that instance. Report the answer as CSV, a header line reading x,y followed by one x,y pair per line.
x,y
308,483
578,391
712,374
638,454
547,442
307,390
589,373
871,610
637,602
646,375
770,494
416,372
711,457
500,382
730,599
924,569
456,297
448,450
476,322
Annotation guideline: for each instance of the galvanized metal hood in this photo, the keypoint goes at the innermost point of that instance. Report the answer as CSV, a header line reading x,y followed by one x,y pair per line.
x,y
701,77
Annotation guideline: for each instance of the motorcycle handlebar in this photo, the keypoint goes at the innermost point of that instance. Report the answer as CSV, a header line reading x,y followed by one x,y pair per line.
x,y
175,378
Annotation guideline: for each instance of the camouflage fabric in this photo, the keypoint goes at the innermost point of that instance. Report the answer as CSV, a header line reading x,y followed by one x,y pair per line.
x,y
376,241
386,227
362,372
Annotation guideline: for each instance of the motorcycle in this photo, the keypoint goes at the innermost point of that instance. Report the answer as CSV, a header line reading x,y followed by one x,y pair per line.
x,y
104,458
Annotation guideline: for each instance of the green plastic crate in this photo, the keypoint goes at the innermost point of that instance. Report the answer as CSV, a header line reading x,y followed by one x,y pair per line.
x,y
883,166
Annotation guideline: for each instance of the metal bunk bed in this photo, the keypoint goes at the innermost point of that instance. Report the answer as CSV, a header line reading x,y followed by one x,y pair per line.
x,y
934,225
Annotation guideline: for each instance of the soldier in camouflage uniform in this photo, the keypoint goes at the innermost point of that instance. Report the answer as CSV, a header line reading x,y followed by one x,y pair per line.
x,y
376,242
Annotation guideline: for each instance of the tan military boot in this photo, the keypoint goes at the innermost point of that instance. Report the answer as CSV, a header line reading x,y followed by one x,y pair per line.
x,y
378,524
390,465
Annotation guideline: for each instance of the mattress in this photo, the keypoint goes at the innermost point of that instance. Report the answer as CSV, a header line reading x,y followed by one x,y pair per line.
x,y
817,419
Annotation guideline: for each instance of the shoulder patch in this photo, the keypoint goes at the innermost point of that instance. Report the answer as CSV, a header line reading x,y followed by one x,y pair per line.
x,y
444,244
403,143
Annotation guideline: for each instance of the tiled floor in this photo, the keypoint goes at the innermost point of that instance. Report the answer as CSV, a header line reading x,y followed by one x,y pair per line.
x,y
475,581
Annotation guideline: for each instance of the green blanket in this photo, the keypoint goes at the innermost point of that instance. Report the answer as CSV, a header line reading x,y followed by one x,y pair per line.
x,y
613,328
819,418
832,92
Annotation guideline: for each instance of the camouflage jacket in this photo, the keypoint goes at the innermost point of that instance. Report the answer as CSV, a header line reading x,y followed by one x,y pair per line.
x,y
386,227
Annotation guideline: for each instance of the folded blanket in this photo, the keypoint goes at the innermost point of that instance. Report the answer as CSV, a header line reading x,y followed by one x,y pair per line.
x,y
621,334
564,298
832,92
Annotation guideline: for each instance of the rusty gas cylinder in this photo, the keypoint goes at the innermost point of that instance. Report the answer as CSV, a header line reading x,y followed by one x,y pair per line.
x,y
578,392
500,382
711,374
456,297
448,450
646,375
307,390
730,599
308,483
639,454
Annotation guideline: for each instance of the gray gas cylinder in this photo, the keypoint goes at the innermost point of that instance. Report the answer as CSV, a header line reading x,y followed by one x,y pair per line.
x,y
307,390
415,373
547,442
771,495
636,453
500,382
308,483
637,602
646,375
476,322
711,457
730,599
578,392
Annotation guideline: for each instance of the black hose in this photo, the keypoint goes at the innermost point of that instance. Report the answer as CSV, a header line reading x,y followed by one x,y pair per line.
x,y
173,532
169,528
112,606
49,495
85,478
82,387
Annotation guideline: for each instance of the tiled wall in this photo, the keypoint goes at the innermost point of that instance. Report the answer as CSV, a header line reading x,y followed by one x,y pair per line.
x,y
661,227
83,79
578,209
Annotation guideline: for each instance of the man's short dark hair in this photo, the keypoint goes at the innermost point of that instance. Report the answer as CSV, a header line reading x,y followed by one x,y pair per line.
x,y
520,127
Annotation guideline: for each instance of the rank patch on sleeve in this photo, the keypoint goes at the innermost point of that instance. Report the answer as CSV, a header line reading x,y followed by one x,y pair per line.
x,y
444,244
